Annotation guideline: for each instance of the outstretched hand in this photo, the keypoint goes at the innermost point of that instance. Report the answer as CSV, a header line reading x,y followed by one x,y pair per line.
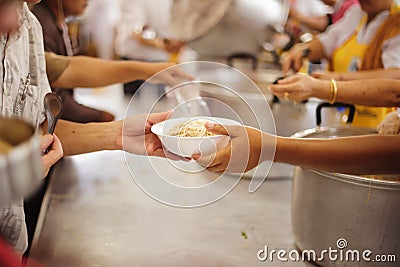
x,y
168,74
240,155
297,88
137,137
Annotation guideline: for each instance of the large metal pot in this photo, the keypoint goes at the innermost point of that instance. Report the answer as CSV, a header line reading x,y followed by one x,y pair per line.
x,y
347,213
218,28
20,164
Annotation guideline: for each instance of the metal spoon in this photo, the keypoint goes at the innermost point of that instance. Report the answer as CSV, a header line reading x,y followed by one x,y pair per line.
x,y
53,108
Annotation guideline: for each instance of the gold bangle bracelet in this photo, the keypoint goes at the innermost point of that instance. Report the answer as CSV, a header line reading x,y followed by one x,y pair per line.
x,y
330,91
333,92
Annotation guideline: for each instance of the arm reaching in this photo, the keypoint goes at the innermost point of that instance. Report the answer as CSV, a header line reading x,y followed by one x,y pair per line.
x,y
392,73
374,92
132,135
370,154
83,71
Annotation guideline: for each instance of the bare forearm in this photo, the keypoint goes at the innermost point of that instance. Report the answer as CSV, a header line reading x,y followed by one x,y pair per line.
x,y
376,92
393,73
79,138
375,154
92,72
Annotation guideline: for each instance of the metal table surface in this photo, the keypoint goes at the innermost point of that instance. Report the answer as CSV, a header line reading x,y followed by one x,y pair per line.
x,y
94,214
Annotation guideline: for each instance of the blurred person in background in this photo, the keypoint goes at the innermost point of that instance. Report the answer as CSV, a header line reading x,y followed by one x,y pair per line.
x,y
98,26
143,33
307,16
364,44
339,7
52,15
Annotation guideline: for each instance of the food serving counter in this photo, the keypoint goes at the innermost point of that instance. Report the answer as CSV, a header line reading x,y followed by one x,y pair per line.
x,y
94,214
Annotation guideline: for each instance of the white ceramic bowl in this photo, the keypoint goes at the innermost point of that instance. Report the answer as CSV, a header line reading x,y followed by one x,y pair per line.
x,y
187,146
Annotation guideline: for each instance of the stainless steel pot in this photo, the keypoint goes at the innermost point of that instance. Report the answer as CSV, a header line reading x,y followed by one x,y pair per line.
x,y
218,28
20,167
345,212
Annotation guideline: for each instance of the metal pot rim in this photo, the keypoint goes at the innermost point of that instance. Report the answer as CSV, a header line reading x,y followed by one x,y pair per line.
x,y
305,133
359,180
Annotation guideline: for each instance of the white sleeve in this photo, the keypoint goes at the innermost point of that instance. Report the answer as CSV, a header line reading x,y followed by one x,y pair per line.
x,y
337,33
391,53
133,15
318,8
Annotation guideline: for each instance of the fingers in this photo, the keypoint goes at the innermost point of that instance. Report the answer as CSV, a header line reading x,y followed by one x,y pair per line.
x,y
54,154
286,64
231,130
46,141
56,149
216,128
169,79
214,159
323,75
163,153
159,117
292,60
288,79
175,76
183,74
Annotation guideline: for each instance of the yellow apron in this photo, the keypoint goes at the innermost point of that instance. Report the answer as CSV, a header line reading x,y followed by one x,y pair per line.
x,y
348,58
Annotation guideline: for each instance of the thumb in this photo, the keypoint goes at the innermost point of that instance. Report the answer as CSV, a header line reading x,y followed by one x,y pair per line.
x,y
289,79
318,74
158,117
216,128
46,141
231,130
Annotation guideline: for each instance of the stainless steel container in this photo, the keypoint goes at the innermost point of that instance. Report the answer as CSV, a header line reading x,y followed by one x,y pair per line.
x,y
20,167
347,213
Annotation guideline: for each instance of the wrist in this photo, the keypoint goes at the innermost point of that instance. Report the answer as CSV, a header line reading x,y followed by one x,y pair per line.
x,y
147,70
268,147
116,142
333,91
341,77
322,89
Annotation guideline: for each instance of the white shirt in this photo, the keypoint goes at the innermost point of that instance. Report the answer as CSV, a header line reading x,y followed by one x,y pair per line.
x,y
21,54
134,15
337,34
313,8
99,22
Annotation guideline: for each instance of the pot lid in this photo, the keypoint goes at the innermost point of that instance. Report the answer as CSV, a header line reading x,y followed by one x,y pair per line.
x,y
191,19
